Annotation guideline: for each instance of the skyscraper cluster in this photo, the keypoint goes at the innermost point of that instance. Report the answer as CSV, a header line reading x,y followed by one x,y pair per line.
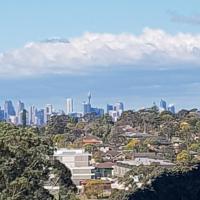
x,y
164,107
115,110
23,116
38,117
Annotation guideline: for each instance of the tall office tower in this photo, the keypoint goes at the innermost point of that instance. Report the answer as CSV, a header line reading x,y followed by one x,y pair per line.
x,y
23,118
32,117
40,117
119,106
171,108
20,107
48,112
109,108
86,108
69,105
163,105
9,109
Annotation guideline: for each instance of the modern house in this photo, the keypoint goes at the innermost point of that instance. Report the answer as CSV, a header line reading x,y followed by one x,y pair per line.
x,y
78,161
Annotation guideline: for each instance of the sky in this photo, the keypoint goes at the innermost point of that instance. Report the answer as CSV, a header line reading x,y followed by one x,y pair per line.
x,y
132,51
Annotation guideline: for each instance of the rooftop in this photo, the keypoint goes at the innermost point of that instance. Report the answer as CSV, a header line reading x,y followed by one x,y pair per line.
x,y
146,161
64,152
105,165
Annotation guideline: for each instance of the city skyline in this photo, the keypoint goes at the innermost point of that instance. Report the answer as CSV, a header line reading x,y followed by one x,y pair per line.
x,y
136,52
75,108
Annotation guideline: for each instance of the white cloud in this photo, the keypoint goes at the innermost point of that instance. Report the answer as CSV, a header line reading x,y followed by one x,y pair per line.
x,y
93,51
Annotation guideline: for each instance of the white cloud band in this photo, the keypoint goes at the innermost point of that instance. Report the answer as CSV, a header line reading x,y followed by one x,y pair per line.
x,y
153,48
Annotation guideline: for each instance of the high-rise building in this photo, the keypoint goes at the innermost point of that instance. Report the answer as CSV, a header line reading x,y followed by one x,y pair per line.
x,y
23,117
115,111
40,117
33,116
69,106
20,108
119,106
48,112
86,108
163,105
109,108
171,108
9,109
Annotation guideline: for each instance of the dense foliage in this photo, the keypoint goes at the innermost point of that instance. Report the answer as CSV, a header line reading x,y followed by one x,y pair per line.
x,y
26,164
183,185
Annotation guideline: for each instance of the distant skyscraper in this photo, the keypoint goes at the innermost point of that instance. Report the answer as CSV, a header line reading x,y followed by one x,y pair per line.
x,y
171,108
32,115
20,107
40,117
48,112
119,106
115,111
69,105
163,105
23,118
109,108
86,108
9,109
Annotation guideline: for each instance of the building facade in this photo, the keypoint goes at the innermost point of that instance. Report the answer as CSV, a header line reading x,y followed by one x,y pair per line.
x,y
78,161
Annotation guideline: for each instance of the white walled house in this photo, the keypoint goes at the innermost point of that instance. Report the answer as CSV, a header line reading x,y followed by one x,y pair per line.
x,y
78,161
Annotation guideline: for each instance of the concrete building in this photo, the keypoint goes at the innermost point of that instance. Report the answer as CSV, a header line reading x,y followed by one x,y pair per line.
x,y
78,161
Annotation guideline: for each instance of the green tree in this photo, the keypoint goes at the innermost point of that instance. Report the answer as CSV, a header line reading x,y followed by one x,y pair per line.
x,y
25,164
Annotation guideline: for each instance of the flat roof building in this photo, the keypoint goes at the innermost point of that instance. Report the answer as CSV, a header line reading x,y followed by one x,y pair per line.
x,y
78,161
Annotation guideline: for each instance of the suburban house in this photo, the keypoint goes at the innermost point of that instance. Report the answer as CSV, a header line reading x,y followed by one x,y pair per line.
x,y
91,139
113,156
104,169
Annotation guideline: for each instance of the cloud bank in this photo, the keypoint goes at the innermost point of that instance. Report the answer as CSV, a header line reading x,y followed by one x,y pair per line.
x,y
93,51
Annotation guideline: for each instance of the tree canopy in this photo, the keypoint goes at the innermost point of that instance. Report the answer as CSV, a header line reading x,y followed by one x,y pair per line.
x,y
26,164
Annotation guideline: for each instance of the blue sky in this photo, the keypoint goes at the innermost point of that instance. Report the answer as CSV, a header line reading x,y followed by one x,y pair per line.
x,y
39,72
